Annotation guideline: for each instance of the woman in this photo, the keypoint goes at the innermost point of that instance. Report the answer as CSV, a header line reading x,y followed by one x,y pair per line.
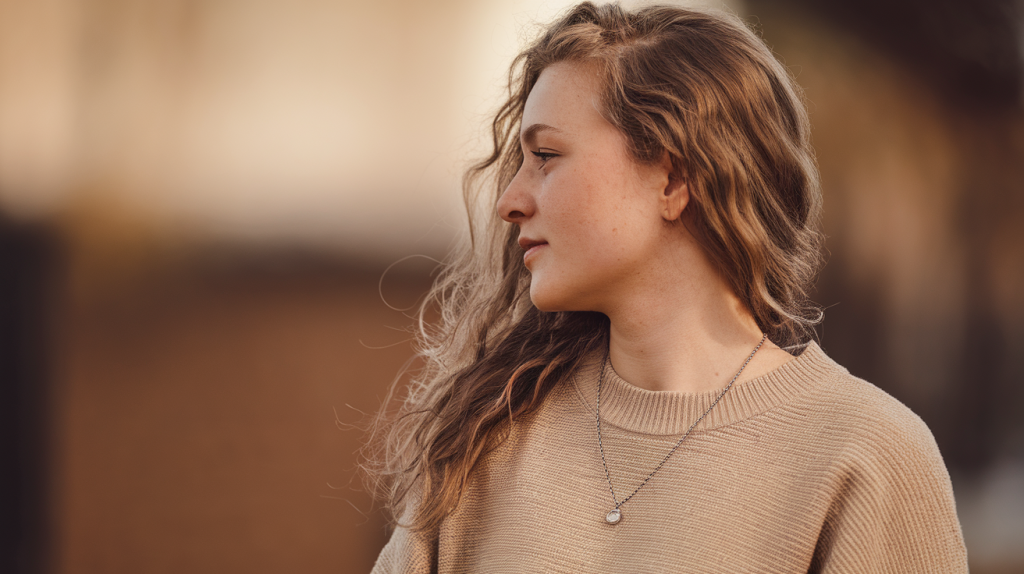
x,y
621,378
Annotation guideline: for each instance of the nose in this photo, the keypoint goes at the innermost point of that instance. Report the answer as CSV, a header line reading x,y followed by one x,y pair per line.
x,y
516,203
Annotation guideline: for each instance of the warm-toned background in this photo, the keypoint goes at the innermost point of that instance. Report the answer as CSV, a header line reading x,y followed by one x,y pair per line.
x,y
199,199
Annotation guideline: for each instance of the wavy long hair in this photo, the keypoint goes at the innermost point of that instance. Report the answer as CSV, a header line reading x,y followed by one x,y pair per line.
x,y
700,87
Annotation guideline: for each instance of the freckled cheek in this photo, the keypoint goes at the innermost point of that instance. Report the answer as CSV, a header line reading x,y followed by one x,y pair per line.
x,y
581,216
591,246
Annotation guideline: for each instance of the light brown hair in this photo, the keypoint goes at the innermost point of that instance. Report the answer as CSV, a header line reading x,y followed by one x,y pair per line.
x,y
700,87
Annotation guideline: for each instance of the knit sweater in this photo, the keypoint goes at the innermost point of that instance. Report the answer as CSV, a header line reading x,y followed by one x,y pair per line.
x,y
804,469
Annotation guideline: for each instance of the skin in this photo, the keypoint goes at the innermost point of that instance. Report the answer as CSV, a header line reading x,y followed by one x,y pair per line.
x,y
610,240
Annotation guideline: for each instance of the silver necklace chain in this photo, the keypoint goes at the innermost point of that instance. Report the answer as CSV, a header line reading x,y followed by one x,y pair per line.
x,y
615,515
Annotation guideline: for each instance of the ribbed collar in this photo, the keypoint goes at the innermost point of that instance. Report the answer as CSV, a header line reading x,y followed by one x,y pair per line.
x,y
669,412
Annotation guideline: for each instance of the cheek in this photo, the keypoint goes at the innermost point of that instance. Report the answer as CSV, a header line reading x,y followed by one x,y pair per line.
x,y
601,221
580,216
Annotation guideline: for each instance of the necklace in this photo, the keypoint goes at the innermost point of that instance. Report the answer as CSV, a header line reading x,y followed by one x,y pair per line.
x,y
615,515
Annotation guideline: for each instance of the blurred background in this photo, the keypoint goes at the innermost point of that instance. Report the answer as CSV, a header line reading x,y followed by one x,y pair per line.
x,y
199,201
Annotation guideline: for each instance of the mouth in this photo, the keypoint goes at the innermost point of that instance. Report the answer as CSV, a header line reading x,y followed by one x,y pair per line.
x,y
527,244
531,246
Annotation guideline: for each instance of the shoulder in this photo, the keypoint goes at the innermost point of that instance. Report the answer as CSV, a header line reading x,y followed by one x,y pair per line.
x,y
872,443
874,424
857,427
891,502
854,409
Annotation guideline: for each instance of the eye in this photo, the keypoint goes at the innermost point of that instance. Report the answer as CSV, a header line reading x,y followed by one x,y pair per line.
x,y
543,156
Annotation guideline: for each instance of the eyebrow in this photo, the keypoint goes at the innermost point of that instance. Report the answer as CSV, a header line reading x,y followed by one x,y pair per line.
x,y
529,136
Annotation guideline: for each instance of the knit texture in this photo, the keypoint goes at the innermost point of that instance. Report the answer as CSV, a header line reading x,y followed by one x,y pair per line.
x,y
804,469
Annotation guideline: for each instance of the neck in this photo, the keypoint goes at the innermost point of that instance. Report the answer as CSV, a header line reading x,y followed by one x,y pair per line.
x,y
686,336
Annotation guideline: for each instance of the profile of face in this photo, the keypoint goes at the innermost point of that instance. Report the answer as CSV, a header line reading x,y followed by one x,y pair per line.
x,y
593,222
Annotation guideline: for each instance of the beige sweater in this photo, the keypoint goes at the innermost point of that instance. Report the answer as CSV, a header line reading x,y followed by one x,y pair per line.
x,y
805,469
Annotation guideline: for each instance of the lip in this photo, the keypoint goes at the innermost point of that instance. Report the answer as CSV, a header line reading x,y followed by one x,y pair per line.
x,y
531,246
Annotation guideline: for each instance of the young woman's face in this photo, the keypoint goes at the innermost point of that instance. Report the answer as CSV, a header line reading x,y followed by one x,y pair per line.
x,y
589,216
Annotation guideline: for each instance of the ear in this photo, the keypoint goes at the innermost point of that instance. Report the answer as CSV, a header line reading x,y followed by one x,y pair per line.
x,y
675,194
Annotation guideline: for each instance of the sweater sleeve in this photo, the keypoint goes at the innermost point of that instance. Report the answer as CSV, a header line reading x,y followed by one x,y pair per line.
x,y
893,508
407,552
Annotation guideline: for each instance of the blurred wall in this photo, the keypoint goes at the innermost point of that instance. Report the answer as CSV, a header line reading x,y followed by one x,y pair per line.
x,y
28,279
209,415
205,196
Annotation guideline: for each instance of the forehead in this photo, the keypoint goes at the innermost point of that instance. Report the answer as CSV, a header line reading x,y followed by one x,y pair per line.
x,y
567,98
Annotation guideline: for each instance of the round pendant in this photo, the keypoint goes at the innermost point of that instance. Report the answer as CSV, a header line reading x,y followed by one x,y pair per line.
x,y
614,516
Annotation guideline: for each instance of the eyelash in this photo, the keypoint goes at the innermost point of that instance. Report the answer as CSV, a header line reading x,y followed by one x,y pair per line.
x,y
543,156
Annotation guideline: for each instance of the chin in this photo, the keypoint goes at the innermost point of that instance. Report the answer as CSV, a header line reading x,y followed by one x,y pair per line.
x,y
547,308
550,300
540,298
